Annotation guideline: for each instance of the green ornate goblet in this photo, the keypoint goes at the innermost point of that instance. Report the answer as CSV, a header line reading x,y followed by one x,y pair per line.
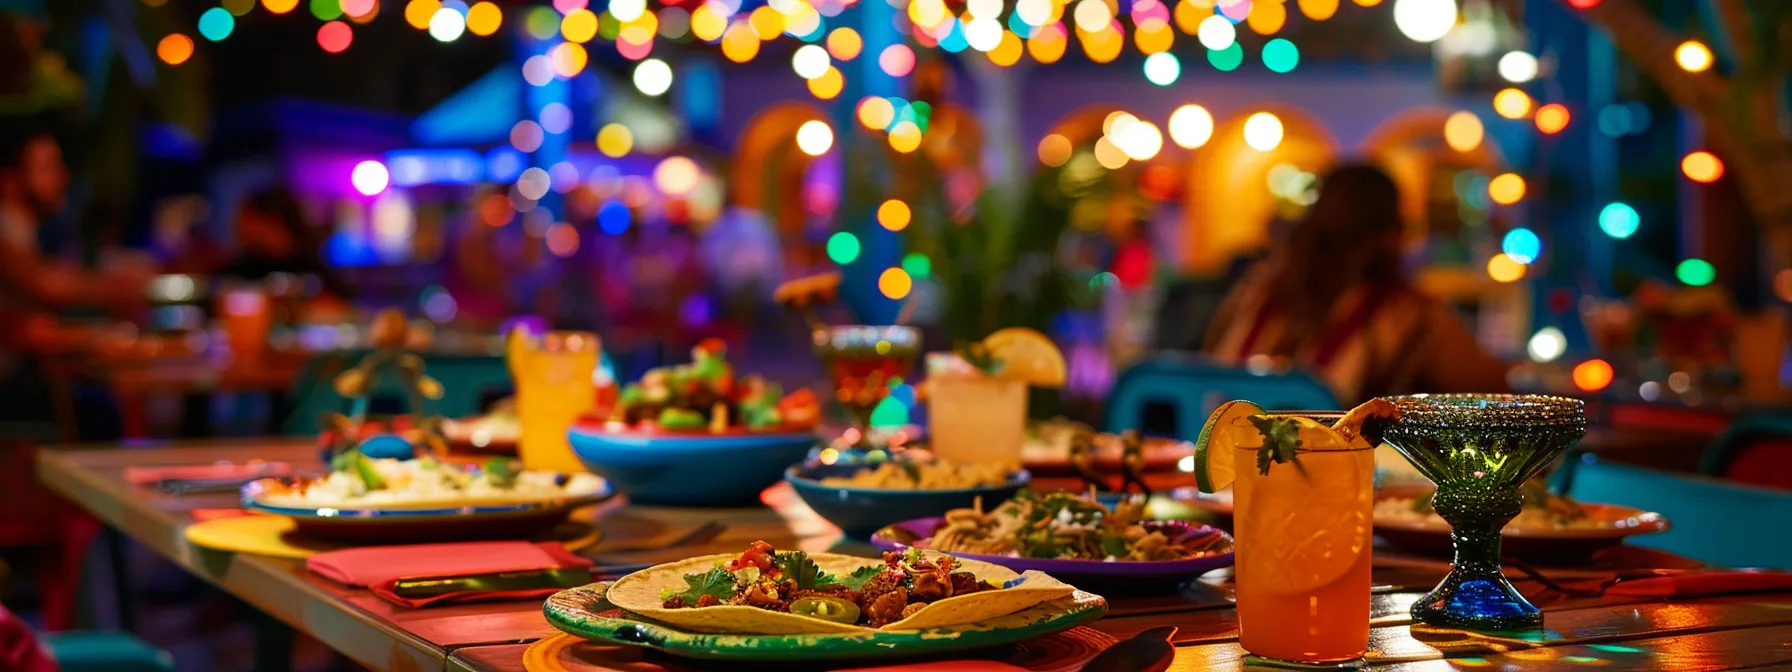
x,y
1478,449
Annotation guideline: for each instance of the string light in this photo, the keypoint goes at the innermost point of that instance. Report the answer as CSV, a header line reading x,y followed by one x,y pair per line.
x,y
1618,220
843,248
814,137
828,84
335,36
1518,67
1162,68
1319,10
1593,375
280,6
1263,131
1506,188
484,19
419,13
653,77
897,60
216,23
905,137
677,176
809,61
1512,103
1215,33
1463,131
1280,55
1425,20
894,283
175,49
844,44
893,214
1191,126
615,140
1228,59
1702,167
1552,118
1693,56
1522,245
876,112
579,26
1055,149
447,25
1547,345
1504,269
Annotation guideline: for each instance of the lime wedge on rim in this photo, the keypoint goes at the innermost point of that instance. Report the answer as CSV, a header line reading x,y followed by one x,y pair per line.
x,y
1214,457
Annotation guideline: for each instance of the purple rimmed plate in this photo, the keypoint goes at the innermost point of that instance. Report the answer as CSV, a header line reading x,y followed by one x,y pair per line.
x,y
890,539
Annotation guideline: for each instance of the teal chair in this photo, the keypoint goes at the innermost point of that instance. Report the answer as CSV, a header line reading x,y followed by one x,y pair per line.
x,y
466,380
1715,521
1194,388
1755,449
92,651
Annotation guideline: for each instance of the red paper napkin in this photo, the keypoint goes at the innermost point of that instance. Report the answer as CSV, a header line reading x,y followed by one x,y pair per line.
x,y
945,666
1704,584
378,568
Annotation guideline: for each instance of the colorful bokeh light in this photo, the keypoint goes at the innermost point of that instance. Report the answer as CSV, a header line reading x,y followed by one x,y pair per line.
x,y
1593,375
895,283
1703,167
1695,272
843,248
175,49
1506,188
1619,220
894,214
1505,269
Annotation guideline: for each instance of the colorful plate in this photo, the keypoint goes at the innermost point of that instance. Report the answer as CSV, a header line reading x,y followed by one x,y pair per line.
x,y
421,522
923,528
585,613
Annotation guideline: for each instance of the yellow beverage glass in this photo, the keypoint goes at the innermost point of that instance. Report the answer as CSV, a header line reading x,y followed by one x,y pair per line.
x,y
973,416
1303,544
554,388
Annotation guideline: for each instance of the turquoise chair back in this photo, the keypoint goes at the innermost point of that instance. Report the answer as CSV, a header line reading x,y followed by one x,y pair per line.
x,y
466,381
1715,521
1755,449
93,651
1195,388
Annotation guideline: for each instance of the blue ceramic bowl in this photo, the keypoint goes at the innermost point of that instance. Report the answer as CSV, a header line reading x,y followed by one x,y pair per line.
x,y
861,512
689,469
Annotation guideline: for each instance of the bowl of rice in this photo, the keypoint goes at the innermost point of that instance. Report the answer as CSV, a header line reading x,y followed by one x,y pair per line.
x,y
862,496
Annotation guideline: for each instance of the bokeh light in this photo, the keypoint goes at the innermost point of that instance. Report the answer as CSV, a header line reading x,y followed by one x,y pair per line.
x,y
419,12
533,184
1522,245
1141,140
897,60
843,248
370,177
1228,59
1048,45
216,23
1191,126
844,43
1267,17
1552,118
1093,15
1693,56
1504,269
1782,284
1517,67
905,136
1055,149
568,59
484,19
175,49
1319,10
917,265
280,6
447,25
810,61
1619,220
677,176
1593,375
1695,272
1512,103
653,77
1424,20
1008,51
894,282
562,240
1506,188
1463,131
814,137
334,37
1162,68
1280,55
615,140
893,214
1109,155
526,136
328,10
828,84
1547,345
876,112
627,11
614,218
1263,131
579,26
1215,32
1703,167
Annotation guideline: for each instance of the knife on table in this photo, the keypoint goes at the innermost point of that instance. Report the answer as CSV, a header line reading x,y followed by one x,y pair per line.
x,y
420,587
1148,651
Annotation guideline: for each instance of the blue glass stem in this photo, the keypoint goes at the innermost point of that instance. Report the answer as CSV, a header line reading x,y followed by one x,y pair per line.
x,y
1476,595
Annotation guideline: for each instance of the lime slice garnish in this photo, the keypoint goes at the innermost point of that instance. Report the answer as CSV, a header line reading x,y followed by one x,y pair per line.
x,y
1214,454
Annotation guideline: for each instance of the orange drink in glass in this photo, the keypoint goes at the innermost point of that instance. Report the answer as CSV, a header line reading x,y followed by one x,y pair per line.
x,y
973,416
554,388
1303,528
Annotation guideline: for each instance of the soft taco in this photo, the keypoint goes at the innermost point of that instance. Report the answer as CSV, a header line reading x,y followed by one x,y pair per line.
x,y
764,591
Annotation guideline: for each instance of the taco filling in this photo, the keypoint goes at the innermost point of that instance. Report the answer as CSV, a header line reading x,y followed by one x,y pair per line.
x,y
790,582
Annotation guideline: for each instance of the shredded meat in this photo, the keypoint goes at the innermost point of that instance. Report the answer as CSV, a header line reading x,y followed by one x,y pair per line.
x,y
706,600
965,583
882,583
675,602
932,586
886,608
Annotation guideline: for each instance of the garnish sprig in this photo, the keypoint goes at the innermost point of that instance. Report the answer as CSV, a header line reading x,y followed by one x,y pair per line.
x,y
1281,443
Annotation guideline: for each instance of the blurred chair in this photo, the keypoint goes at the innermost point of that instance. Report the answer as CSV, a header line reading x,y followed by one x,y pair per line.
x,y
467,381
1714,521
1194,388
92,651
1756,449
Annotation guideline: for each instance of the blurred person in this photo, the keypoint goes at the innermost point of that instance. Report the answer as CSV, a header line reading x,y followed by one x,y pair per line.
x,y
273,236
1333,298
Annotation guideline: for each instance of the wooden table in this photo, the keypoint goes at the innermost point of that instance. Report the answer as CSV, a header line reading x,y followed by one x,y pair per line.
x,y
1609,633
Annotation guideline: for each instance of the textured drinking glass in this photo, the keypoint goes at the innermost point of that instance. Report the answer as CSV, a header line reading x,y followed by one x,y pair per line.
x,y
971,415
1478,449
553,375
862,361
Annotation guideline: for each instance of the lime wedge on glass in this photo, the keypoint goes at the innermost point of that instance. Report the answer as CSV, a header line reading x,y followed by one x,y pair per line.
x,y
1214,454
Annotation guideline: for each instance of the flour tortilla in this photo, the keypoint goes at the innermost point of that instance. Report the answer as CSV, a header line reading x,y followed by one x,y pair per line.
x,y
640,593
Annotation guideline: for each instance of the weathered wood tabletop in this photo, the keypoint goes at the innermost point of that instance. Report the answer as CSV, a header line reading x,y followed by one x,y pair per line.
x,y
1606,633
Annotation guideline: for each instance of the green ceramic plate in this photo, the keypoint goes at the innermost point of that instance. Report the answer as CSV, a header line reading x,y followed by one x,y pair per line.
x,y
584,612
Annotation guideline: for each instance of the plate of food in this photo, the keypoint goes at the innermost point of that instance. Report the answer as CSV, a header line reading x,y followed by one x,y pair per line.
x,y
861,496
422,498
1046,451
1068,535
668,431
788,606
495,432
1550,527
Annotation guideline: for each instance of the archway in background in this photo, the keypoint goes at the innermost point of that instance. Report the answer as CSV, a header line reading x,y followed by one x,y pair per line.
x,y
1411,147
1228,205
767,174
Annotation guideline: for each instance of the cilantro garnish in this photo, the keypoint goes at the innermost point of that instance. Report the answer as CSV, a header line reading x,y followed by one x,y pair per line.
x,y
718,582
500,471
799,567
859,577
979,357
1281,442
